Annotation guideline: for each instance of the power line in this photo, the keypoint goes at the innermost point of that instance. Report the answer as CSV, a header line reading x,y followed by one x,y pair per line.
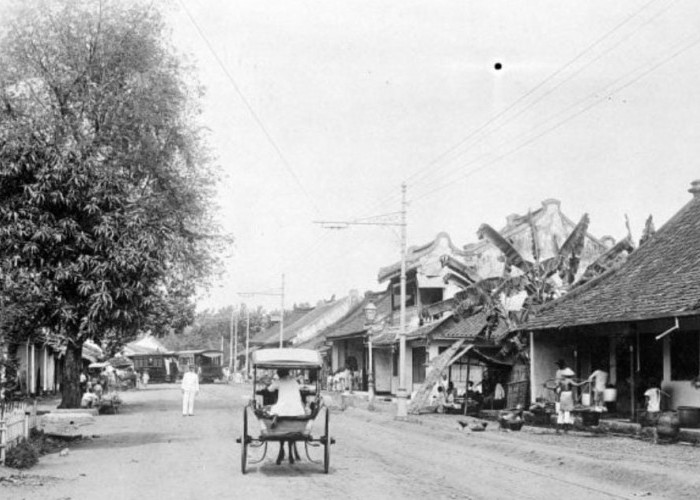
x,y
250,109
569,77
422,171
559,124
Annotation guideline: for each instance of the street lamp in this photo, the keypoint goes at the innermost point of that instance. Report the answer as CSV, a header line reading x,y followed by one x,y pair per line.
x,y
370,315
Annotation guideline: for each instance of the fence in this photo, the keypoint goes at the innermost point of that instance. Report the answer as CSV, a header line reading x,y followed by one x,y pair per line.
x,y
16,420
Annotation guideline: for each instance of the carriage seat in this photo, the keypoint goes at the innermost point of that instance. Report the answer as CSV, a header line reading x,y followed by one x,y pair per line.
x,y
287,427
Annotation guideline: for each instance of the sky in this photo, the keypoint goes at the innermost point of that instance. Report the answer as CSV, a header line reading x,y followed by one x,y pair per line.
x,y
319,110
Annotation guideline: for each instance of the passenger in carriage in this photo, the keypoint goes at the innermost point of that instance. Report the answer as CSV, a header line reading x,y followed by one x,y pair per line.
x,y
289,404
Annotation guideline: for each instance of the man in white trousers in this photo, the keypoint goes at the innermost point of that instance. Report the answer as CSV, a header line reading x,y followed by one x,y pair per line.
x,y
190,387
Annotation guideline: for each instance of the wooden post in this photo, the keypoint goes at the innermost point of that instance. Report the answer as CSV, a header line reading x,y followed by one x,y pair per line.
x,y
466,391
632,388
3,439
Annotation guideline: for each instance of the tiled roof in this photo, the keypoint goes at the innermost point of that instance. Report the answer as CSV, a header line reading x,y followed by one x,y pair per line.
x,y
355,322
660,279
272,333
469,328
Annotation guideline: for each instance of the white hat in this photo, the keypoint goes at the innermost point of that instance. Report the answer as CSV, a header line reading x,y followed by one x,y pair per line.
x,y
567,372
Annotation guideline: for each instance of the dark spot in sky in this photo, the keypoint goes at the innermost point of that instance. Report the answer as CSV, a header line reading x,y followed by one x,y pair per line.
x,y
498,66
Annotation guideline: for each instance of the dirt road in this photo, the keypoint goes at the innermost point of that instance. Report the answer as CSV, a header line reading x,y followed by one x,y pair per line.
x,y
150,451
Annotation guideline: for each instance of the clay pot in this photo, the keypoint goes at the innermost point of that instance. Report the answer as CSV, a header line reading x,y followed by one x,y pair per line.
x,y
668,425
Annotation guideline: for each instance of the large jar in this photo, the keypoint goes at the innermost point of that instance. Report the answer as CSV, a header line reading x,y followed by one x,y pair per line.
x,y
668,425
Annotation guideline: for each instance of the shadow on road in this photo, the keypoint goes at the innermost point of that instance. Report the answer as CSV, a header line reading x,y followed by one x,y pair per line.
x,y
129,439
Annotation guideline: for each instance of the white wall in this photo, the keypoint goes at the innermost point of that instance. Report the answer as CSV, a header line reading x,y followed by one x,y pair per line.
x,y
382,370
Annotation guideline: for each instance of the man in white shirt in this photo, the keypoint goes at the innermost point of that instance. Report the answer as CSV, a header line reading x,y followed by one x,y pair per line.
x,y
190,387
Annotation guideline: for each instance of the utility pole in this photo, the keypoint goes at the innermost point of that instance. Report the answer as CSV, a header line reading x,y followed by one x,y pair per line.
x,y
402,401
247,339
233,344
387,220
282,315
274,293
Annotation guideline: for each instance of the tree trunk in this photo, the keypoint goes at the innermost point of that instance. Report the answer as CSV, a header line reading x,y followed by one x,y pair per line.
x,y
437,366
71,395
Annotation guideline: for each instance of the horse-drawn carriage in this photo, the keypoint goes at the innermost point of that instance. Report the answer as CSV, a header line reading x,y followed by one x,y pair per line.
x,y
306,365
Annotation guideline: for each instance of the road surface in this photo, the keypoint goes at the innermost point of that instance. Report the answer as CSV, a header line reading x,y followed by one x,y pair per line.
x,y
150,451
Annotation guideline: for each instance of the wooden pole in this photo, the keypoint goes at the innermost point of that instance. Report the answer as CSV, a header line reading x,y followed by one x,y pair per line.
x,y
247,341
632,388
233,364
282,316
466,390
402,393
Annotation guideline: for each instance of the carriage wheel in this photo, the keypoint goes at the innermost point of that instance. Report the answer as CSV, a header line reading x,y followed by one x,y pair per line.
x,y
327,444
244,442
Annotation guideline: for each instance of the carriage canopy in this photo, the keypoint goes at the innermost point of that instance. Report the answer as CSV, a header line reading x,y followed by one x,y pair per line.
x,y
287,358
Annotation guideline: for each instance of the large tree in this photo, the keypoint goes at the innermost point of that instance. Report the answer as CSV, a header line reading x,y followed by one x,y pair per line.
x,y
105,214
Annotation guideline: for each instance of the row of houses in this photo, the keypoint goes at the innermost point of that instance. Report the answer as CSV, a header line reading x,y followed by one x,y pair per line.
x,y
39,365
634,312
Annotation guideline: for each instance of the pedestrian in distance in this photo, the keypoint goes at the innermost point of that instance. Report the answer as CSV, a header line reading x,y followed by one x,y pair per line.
x,y
190,388
145,378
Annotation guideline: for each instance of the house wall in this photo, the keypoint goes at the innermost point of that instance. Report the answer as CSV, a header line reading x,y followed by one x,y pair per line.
x,y
550,225
545,350
382,370
682,392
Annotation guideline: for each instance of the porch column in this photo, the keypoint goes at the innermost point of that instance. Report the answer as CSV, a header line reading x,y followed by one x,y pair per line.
x,y
533,362
32,358
613,360
45,371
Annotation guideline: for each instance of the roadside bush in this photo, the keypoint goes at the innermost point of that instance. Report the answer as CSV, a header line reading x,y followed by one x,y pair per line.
x,y
22,456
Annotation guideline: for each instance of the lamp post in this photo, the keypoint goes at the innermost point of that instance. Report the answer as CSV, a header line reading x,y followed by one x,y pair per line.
x,y
370,315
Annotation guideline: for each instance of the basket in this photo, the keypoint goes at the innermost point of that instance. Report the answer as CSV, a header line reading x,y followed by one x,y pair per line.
x,y
515,426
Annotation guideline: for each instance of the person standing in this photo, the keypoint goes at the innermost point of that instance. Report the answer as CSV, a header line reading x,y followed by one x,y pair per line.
x,y
600,380
565,389
145,378
190,388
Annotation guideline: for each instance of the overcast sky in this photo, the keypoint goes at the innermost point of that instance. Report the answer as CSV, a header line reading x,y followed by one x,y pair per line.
x,y
596,104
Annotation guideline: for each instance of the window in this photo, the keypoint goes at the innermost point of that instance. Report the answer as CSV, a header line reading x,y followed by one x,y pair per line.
x,y
685,355
430,296
410,295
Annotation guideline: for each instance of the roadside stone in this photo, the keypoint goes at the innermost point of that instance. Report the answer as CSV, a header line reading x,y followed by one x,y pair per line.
x,y
66,425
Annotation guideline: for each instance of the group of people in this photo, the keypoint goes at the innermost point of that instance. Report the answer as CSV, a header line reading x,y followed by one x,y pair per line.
x,y
141,379
564,380
564,402
342,380
93,388
445,398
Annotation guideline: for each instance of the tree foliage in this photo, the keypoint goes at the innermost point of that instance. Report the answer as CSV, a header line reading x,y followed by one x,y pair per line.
x,y
106,222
